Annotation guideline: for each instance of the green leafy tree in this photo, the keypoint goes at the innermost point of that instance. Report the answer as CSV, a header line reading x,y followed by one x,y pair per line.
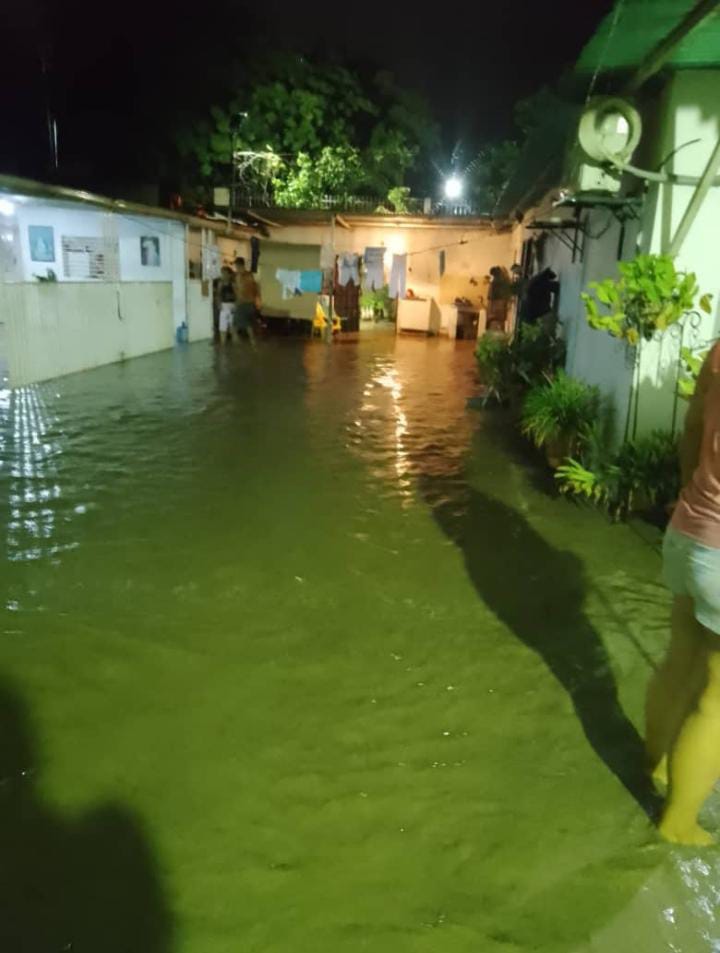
x,y
492,168
305,130
337,170
490,171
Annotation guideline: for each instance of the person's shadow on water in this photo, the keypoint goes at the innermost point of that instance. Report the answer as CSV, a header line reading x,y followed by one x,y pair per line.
x,y
80,885
538,591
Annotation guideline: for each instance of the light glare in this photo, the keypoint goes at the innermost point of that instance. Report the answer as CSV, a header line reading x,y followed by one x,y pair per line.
x,y
453,187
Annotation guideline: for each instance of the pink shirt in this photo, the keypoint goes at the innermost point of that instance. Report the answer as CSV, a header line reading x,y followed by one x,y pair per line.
x,y
698,511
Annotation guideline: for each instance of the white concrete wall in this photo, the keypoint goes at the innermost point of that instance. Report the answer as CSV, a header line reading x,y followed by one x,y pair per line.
x,y
59,328
125,230
199,310
171,237
595,356
64,220
689,110
178,266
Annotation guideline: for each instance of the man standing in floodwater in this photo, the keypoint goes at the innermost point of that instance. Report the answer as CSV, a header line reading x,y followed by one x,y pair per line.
x,y
683,702
247,296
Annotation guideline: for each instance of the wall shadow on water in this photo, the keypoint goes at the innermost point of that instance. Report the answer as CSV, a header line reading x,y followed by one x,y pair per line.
x,y
537,591
82,884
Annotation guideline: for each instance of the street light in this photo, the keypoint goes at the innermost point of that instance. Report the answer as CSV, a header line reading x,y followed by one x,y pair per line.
x,y
453,187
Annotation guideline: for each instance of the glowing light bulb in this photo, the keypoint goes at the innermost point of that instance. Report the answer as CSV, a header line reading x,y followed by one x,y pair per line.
x,y
453,187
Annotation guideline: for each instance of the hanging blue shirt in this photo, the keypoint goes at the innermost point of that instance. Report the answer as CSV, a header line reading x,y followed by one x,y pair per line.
x,y
311,281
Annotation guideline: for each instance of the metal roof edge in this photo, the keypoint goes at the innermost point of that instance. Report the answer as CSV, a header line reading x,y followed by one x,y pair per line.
x,y
20,186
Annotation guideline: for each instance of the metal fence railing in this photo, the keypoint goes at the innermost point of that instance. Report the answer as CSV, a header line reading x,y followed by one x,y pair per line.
x,y
359,204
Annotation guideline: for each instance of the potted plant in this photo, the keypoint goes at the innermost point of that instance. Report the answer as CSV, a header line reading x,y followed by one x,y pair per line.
x,y
557,413
641,475
690,367
649,296
508,366
494,359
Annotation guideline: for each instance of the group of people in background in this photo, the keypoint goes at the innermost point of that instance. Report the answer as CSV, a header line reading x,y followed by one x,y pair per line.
x,y
236,301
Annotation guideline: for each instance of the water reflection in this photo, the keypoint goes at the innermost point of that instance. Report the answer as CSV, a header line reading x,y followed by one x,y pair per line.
x,y
326,538
410,414
30,448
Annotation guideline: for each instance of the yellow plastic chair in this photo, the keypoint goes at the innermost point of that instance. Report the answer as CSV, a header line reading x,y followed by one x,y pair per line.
x,y
320,321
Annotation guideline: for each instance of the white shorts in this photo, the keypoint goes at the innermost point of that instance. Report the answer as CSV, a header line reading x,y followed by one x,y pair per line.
x,y
227,310
692,569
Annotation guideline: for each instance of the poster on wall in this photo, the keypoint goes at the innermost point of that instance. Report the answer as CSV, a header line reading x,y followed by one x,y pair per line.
x,y
150,251
89,257
211,262
42,243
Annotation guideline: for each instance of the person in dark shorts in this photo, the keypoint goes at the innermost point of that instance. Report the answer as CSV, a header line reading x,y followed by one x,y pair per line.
x,y
247,297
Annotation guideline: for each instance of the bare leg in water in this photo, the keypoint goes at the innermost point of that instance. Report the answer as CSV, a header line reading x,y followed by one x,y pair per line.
x,y
691,722
674,688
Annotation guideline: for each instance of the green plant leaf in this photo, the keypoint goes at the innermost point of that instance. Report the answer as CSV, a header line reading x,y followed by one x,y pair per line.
x,y
706,303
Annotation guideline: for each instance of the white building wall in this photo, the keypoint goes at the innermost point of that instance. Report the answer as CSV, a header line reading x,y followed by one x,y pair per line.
x,y
54,328
690,124
199,311
687,118
59,328
64,220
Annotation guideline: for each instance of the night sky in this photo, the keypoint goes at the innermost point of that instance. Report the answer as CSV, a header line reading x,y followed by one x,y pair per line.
x,y
115,73
473,60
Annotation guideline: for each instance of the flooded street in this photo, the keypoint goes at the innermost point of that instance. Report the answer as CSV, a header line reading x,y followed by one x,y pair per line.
x,y
298,655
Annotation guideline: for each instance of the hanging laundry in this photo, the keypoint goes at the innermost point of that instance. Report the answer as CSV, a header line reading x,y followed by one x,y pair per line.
x,y
254,254
398,276
311,281
290,281
347,301
348,268
374,271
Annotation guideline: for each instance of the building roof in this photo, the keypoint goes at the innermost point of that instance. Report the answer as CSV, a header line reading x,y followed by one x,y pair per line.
x,y
13,185
634,28
634,41
285,217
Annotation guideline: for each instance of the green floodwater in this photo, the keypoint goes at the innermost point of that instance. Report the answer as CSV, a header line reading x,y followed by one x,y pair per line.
x,y
299,656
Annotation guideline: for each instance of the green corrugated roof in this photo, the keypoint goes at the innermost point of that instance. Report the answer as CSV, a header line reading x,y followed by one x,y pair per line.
x,y
634,27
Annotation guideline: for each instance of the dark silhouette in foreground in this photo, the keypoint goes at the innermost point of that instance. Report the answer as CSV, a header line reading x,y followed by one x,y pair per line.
x,y
537,591
79,885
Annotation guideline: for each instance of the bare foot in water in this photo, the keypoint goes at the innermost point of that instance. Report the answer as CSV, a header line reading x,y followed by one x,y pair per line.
x,y
691,834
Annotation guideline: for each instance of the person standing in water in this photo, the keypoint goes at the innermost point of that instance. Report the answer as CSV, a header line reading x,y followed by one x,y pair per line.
x,y
227,302
247,296
683,701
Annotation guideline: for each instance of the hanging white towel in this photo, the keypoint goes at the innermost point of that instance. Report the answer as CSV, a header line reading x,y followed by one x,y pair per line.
x,y
290,281
348,269
374,271
398,276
